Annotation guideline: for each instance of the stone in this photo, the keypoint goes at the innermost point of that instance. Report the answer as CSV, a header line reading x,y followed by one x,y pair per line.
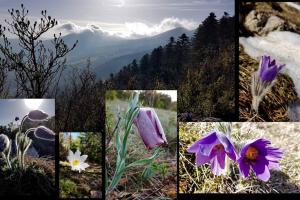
x,y
255,21
273,23
96,194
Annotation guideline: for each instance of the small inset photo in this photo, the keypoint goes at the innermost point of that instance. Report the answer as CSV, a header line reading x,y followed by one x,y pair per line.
x,y
27,147
269,83
239,157
141,144
80,169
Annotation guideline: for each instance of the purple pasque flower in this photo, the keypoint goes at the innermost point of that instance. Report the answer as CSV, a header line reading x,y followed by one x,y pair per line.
x,y
213,149
257,155
149,127
44,133
268,69
37,115
4,142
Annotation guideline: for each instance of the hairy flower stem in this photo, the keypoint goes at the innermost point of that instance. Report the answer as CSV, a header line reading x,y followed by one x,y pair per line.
x,y
6,158
259,89
22,122
255,102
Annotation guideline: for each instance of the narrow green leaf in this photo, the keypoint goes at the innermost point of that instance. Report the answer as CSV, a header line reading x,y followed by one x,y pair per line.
x,y
146,161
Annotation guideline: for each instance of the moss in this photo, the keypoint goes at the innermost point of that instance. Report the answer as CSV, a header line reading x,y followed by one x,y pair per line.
x,y
67,188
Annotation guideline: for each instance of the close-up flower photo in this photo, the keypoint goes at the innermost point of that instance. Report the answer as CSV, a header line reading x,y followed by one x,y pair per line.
x,y
141,144
240,157
80,169
269,36
27,147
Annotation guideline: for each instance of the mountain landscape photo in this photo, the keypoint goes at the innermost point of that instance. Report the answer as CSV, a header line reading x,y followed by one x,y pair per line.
x,y
74,52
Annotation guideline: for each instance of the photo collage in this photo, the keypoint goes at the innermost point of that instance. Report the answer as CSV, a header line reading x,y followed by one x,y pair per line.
x,y
149,99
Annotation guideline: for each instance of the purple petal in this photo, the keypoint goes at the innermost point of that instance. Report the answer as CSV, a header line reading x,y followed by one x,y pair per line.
x,y
280,67
263,65
228,146
147,129
268,69
158,126
201,159
194,148
44,133
37,115
221,158
204,145
259,165
272,63
209,138
206,149
244,168
273,165
269,74
215,166
274,154
265,175
260,144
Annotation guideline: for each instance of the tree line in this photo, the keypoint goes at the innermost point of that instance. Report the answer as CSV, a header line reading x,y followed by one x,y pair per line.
x,y
201,68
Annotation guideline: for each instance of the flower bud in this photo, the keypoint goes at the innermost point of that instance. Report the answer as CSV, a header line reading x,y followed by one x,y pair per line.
x,y
37,115
44,133
4,142
268,70
149,127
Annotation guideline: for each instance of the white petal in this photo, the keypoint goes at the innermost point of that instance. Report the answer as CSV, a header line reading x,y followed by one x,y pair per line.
x,y
70,156
77,154
84,165
83,158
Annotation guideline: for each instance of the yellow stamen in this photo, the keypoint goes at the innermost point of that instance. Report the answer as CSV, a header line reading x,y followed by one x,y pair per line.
x,y
75,162
251,153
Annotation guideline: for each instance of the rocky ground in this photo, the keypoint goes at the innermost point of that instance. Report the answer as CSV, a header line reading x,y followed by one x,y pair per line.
x,y
87,184
259,19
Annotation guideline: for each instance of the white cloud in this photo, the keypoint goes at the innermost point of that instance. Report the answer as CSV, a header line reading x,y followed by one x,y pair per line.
x,y
142,29
115,3
66,28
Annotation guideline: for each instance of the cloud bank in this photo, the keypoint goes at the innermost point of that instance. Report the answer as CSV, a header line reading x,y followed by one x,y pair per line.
x,y
130,30
142,29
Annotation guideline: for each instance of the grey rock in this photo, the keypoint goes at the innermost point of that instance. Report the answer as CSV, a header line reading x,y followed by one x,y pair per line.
x,y
261,23
273,23
293,112
96,194
255,21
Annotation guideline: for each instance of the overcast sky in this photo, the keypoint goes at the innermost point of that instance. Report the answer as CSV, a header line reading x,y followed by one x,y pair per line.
x,y
137,16
12,108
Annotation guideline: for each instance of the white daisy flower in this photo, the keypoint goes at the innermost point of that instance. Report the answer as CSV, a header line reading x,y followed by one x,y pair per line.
x,y
76,161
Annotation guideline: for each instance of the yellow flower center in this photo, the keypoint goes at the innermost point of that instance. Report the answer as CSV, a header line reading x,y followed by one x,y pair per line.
x,y
251,153
75,162
218,147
